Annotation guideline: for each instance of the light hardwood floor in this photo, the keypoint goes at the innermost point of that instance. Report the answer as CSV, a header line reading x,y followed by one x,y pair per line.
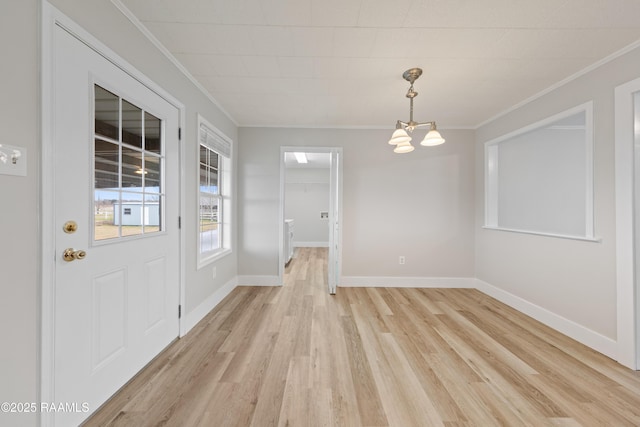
x,y
296,356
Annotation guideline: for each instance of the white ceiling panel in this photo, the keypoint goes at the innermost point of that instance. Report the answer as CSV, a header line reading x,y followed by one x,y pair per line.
x,y
596,14
184,37
454,43
261,66
334,13
481,14
312,41
395,43
193,11
271,40
379,13
230,40
293,66
328,67
353,42
214,65
563,43
287,12
324,63
236,12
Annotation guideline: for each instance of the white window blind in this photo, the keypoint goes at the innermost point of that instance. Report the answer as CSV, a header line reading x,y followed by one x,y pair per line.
x,y
214,141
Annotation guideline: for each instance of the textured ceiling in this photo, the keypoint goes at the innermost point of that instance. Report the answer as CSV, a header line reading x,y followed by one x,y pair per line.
x,y
339,63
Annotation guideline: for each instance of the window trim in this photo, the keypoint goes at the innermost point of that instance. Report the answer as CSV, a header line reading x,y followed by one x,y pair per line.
x,y
213,139
491,168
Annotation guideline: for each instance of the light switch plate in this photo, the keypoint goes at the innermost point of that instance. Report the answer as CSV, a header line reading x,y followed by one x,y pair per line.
x,y
16,160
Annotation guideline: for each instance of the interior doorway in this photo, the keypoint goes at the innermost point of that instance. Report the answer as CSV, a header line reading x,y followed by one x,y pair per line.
x,y
310,208
627,170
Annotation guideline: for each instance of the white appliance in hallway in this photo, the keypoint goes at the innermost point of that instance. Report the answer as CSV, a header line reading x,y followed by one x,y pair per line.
x,y
288,240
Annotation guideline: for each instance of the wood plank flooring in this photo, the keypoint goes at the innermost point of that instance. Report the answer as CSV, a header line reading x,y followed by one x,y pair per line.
x,y
296,356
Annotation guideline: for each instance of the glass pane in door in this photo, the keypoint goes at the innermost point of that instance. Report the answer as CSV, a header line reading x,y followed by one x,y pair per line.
x,y
107,114
152,133
106,205
131,124
128,165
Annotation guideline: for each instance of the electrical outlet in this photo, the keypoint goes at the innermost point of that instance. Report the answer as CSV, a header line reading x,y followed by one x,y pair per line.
x,y
401,260
214,272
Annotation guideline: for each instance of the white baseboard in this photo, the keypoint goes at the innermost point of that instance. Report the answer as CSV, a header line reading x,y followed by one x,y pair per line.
x,y
259,281
310,244
406,282
192,318
586,336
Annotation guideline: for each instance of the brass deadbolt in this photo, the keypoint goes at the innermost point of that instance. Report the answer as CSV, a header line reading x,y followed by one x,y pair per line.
x,y
70,227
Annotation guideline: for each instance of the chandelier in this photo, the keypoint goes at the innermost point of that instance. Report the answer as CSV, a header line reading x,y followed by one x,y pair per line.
x,y
400,137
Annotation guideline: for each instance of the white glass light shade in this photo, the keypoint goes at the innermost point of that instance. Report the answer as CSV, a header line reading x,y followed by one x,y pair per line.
x,y
399,136
432,138
403,147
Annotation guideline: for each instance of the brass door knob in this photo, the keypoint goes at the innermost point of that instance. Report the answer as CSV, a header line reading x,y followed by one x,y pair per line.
x,y
70,254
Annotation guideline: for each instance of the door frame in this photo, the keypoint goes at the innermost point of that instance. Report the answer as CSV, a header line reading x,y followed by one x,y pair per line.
x,y
50,19
627,230
334,190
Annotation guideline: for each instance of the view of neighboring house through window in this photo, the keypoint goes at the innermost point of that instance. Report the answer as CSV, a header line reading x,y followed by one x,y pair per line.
x,y
214,193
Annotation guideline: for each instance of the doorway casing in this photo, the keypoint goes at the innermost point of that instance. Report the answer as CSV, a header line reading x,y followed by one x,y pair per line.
x,y
335,212
627,170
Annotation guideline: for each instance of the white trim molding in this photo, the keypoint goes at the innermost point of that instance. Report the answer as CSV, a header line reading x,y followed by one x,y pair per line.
x,y
626,165
259,281
586,336
192,318
406,282
493,174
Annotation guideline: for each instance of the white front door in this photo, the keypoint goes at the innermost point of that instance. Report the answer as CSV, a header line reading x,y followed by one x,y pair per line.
x,y
116,171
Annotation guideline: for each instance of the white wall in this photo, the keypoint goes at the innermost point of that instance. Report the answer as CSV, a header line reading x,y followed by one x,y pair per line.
x,y
19,209
19,242
573,281
419,205
306,194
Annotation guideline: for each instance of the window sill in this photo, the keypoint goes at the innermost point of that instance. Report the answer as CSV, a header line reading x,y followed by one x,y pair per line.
x,y
540,233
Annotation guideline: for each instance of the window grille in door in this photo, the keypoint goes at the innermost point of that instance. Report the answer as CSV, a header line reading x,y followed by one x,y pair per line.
x,y
128,162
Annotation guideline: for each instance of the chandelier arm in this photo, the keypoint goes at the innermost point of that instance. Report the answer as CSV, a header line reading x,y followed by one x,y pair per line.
x,y
410,125
432,125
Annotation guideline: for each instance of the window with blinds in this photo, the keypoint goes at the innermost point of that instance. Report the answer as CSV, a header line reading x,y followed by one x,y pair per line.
x,y
214,193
